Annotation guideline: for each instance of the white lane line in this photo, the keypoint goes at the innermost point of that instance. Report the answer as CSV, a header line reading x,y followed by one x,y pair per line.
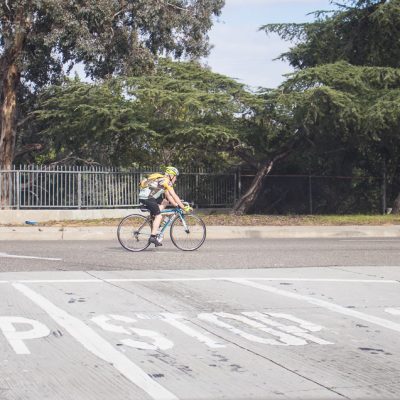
x,y
58,281
369,240
322,303
5,255
283,279
98,346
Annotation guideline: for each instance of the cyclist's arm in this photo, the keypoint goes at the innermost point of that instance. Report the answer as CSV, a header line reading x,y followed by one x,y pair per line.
x,y
173,198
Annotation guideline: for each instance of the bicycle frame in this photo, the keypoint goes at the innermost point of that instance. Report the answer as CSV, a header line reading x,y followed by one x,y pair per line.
x,y
172,211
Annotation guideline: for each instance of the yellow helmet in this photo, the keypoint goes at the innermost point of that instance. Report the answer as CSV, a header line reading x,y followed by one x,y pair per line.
x,y
172,171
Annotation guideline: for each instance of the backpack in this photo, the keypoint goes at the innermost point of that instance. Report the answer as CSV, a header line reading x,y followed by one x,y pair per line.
x,y
145,183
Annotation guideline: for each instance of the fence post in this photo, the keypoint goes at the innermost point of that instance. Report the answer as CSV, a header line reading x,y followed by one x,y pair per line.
x,y
18,190
384,205
197,189
79,190
310,193
239,180
235,186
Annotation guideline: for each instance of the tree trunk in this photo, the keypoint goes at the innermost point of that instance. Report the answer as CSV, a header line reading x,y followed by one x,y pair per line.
x,y
8,113
396,205
10,79
246,202
8,131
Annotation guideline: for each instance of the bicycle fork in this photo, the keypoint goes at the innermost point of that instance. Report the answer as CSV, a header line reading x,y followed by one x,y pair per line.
x,y
184,223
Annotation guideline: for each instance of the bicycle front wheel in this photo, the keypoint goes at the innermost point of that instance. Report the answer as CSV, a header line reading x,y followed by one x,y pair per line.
x,y
134,232
188,232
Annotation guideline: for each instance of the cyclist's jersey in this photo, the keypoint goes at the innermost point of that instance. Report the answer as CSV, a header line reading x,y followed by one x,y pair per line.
x,y
154,186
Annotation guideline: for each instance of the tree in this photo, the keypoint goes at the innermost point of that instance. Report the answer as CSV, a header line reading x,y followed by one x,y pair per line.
x,y
39,40
179,113
267,137
349,113
361,32
357,104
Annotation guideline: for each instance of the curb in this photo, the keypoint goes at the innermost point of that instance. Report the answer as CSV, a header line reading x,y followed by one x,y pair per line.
x,y
213,232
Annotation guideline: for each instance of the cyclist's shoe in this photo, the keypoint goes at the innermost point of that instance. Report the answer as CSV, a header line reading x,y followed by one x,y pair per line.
x,y
155,241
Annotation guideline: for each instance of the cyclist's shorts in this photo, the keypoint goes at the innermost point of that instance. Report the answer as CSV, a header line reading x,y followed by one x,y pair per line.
x,y
153,204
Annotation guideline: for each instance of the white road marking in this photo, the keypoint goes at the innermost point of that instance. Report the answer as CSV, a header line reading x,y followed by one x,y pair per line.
x,y
393,311
5,255
369,240
288,334
294,330
122,280
58,281
16,338
159,341
322,303
94,343
285,339
176,321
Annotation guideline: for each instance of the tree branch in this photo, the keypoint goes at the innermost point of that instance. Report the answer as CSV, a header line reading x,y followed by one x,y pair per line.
x,y
26,119
167,3
29,148
70,157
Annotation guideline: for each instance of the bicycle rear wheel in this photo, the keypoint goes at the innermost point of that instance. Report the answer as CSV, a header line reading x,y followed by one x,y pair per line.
x,y
134,232
188,232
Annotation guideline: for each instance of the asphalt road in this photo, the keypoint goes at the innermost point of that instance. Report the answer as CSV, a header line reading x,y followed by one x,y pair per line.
x,y
215,254
251,319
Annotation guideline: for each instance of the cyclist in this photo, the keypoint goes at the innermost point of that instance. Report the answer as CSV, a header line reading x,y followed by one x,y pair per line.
x,y
156,192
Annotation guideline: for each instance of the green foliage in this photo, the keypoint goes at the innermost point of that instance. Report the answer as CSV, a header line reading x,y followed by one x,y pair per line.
x,y
42,40
360,32
349,118
360,104
107,36
344,97
182,113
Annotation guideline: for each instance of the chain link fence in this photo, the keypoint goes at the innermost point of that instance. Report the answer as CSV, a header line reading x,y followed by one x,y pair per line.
x,y
310,194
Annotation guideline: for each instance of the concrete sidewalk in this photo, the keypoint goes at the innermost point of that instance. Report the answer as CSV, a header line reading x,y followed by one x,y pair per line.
x,y
213,232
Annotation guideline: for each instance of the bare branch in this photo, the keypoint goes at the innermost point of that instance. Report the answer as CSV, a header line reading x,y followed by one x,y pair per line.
x,y
70,157
29,148
123,8
176,7
23,121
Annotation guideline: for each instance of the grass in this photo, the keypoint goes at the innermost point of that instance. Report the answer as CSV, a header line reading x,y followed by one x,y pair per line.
x,y
225,219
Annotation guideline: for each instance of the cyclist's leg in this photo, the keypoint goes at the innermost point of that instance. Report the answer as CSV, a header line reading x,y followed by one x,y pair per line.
x,y
155,212
164,203
157,217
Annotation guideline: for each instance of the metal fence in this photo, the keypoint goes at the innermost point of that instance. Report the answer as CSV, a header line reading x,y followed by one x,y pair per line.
x,y
65,187
318,194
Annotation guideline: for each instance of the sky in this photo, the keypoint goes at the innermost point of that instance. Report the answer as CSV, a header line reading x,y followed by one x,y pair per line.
x,y
243,52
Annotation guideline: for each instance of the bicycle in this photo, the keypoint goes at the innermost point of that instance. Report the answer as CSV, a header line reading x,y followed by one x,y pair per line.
x,y
187,231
